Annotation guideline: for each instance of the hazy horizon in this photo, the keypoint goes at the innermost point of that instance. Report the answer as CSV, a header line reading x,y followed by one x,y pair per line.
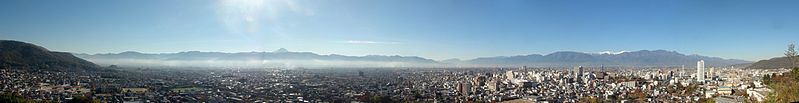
x,y
289,50
439,30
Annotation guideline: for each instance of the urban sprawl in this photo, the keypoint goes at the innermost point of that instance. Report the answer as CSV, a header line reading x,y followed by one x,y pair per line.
x,y
425,85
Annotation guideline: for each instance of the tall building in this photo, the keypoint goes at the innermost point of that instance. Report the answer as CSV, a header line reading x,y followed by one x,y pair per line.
x,y
509,75
578,73
711,73
465,88
682,70
700,70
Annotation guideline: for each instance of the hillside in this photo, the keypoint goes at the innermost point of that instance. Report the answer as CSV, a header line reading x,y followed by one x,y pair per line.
x,y
16,54
773,63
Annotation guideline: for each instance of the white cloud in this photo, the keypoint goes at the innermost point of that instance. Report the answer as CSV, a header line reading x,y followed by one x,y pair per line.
x,y
369,42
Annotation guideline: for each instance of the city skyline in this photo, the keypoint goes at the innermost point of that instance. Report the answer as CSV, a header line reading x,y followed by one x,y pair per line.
x,y
437,30
399,51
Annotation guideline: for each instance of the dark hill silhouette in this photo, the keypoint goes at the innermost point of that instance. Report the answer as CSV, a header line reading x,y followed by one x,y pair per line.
x,y
16,54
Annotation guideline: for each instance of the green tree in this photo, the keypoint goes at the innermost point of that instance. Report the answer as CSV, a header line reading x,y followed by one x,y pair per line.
x,y
792,56
795,73
785,89
771,98
710,100
82,99
767,79
10,98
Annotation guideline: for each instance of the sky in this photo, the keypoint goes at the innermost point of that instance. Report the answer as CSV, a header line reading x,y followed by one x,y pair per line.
x,y
437,29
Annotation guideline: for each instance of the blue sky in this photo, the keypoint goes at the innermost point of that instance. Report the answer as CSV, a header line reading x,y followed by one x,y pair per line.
x,y
437,29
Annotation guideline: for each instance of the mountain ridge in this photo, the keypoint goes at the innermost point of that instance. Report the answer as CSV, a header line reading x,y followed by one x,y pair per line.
x,y
559,59
633,58
17,54
280,57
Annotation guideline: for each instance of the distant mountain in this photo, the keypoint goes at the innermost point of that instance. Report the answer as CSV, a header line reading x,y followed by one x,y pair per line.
x,y
636,58
285,58
744,65
280,57
16,54
773,63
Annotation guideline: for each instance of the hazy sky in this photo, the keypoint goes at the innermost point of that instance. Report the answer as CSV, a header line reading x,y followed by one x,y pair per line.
x,y
437,29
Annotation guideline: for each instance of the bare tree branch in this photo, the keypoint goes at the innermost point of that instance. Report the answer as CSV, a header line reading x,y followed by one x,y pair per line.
x,y
791,54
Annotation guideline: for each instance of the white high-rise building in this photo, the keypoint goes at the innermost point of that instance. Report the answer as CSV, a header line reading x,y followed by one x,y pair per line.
x,y
682,71
700,70
711,73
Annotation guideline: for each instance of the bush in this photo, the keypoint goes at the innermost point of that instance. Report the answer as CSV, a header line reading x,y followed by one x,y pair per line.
x,y
9,98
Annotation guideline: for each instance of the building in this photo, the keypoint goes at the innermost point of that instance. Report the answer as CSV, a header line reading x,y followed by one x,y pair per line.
x,y
465,88
629,84
682,71
134,90
700,71
730,99
579,71
724,90
479,81
711,73
509,75
493,86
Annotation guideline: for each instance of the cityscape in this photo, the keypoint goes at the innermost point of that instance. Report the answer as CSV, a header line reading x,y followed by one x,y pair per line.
x,y
399,51
522,84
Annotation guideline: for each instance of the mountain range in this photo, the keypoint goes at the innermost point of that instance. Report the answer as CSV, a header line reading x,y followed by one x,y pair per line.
x,y
20,54
283,57
655,58
277,58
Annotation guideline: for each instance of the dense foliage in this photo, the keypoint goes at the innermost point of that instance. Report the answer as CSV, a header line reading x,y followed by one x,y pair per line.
x,y
785,87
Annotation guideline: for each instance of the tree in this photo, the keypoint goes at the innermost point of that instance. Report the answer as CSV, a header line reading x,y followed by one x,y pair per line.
x,y
795,73
82,99
784,86
792,56
10,98
710,100
791,53
767,79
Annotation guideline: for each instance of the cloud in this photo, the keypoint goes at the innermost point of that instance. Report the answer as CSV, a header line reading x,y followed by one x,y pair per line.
x,y
369,42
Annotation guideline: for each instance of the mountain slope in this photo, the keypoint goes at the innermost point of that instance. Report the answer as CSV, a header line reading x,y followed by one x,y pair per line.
x,y
17,54
773,63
